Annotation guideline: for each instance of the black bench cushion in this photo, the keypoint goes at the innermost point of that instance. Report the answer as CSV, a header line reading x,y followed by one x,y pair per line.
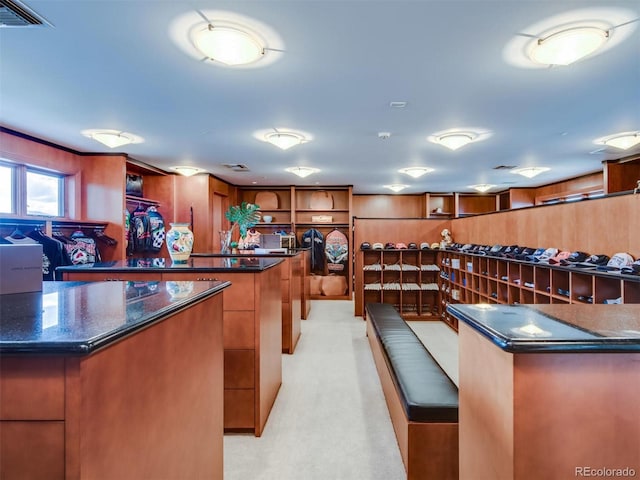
x,y
427,393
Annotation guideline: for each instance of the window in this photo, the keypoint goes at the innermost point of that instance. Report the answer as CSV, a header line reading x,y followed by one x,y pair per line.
x,y
6,189
44,194
30,191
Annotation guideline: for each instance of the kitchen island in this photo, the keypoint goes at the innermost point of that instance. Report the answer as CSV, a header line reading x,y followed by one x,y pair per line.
x,y
549,391
252,322
112,380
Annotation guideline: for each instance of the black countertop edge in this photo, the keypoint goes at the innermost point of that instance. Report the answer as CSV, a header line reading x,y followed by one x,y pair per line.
x,y
605,345
91,346
290,253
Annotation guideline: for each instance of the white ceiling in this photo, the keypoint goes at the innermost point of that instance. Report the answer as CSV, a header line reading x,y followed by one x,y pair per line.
x,y
112,64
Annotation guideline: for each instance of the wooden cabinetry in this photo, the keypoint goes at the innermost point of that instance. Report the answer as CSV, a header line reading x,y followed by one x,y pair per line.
x,y
406,279
441,205
280,212
474,204
467,278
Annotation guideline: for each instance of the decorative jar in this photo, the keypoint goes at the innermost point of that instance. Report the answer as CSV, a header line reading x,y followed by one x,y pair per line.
x,y
179,242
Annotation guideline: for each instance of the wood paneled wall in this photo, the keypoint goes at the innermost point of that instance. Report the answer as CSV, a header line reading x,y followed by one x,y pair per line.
x,y
389,206
583,184
406,230
601,226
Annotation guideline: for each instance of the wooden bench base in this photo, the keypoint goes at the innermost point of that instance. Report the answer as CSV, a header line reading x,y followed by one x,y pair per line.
x,y
429,450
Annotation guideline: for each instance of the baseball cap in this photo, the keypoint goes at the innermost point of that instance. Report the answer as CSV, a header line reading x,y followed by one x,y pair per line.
x,y
618,261
559,257
378,246
547,255
633,269
412,246
424,246
365,246
593,261
494,250
524,253
389,246
575,257
534,256
401,246
435,245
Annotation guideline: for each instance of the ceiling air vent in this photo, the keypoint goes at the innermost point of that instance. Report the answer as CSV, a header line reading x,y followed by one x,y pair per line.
x,y
505,167
15,14
236,167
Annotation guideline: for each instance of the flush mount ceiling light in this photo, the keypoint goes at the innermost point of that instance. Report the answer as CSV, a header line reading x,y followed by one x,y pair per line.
x,y
396,187
623,141
186,170
229,45
112,138
416,172
570,37
482,187
285,140
226,39
530,172
457,138
302,172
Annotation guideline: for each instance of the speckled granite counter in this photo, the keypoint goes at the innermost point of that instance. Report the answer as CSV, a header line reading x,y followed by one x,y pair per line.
x,y
555,328
93,374
70,318
548,391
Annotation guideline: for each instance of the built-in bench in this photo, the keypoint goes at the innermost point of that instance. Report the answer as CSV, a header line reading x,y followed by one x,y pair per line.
x,y
422,399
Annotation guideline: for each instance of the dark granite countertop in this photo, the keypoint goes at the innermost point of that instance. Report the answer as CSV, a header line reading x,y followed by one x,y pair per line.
x,y
78,318
194,264
555,328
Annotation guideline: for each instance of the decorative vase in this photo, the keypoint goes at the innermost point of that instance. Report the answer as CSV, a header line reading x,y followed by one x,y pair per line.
x,y
225,241
179,242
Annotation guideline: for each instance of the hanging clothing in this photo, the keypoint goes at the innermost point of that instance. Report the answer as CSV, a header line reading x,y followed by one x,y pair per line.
x,y
54,255
83,249
156,229
314,240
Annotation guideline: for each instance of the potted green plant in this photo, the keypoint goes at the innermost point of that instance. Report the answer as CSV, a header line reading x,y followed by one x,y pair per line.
x,y
243,217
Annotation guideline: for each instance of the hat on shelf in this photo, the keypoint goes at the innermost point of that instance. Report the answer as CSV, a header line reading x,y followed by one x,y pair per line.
x,y
365,246
412,246
378,246
575,257
618,261
390,246
534,256
424,246
593,261
559,257
435,245
401,246
547,255
524,253
633,269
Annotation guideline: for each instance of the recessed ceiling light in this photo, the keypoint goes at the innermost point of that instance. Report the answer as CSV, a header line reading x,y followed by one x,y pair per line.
x,y
416,172
457,138
186,170
396,187
112,138
482,187
570,37
285,140
226,39
302,171
623,141
530,172
397,104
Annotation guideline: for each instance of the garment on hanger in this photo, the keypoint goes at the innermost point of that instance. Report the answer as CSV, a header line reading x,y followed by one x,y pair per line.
x,y
54,255
314,240
83,249
18,237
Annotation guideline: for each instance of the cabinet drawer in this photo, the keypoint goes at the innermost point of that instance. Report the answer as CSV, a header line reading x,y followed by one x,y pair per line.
x,y
31,388
239,409
239,369
239,330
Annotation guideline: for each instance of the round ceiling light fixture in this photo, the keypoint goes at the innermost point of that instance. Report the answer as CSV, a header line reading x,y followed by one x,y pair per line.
x,y
568,46
623,140
229,45
186,170
482,187
457,138
570,37
226,39
396,187
285,140
530,172
416,172
302,172
112,138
